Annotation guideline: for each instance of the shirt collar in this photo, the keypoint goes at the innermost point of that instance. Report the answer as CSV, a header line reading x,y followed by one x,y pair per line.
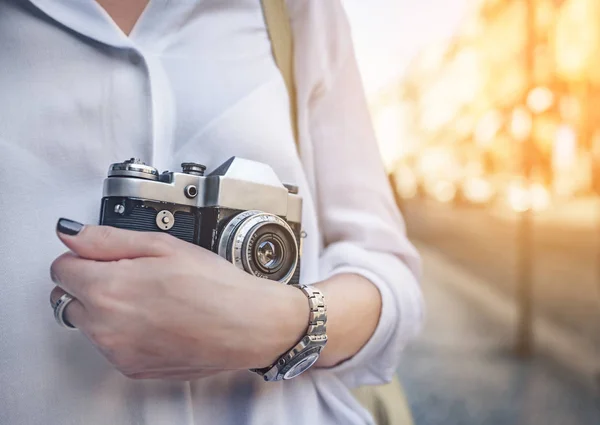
x,y
86,17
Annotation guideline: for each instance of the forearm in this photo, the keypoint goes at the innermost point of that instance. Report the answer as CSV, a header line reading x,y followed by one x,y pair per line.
x,y
353,309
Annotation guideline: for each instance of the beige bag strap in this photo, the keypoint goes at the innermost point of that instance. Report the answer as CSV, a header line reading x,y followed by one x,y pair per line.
x,y
282,43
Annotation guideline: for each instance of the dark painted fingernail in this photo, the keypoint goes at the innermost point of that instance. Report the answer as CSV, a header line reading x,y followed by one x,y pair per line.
x,y
68,227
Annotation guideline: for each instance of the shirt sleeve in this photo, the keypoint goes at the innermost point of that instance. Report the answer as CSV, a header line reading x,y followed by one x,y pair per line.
x,y
363,230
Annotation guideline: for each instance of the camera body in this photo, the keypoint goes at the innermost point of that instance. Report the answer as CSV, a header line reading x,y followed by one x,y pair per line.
x,y
241,211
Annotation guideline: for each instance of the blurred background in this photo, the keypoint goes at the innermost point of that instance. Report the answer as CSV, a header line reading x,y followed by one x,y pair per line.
x,y
488,118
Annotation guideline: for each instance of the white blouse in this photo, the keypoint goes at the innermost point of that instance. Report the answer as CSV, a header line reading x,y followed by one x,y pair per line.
x,y
194,81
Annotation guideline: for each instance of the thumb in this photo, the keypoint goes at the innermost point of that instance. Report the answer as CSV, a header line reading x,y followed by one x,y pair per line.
x,y
104,243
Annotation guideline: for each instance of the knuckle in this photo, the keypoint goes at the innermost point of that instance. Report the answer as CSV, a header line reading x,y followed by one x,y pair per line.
x,y
94,293
103,294
102,297
57,267
103,307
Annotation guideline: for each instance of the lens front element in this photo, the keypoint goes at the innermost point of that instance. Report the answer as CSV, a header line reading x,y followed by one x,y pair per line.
x,y
268,255
261,244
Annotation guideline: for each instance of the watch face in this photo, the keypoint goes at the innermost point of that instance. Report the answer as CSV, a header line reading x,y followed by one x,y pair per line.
x,y
302,366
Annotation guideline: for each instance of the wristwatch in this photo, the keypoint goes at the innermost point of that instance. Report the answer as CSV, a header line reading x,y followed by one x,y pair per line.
x,y
306,352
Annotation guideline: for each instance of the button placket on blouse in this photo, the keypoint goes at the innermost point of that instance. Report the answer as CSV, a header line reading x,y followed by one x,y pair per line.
x,y
161,100
89,19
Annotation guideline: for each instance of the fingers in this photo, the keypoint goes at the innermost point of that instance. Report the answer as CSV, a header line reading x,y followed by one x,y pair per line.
x,y
79,276
74,313
105,243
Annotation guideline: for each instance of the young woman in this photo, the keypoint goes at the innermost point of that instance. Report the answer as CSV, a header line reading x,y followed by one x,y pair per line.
x,y
168,330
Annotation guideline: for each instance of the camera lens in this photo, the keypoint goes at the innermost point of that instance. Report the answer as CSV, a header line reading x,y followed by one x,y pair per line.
x,y
270,250
261,244
268,255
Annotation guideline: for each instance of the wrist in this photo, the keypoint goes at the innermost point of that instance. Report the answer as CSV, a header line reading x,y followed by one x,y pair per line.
x,y
285,315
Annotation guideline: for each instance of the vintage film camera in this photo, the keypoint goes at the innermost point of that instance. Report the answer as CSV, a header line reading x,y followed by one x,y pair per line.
x,y
241,211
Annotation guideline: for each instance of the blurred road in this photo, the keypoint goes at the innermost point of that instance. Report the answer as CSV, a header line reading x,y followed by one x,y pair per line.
x,y
566,254
461,371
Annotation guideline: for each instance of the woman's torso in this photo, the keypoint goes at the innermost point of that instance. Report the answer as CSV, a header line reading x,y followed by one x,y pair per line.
x,y
195,81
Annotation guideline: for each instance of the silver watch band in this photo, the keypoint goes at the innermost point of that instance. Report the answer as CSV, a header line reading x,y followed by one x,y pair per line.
x,y
317,320
306,352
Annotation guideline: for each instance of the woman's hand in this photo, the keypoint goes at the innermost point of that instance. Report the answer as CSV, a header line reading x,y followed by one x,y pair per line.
x,y
158,307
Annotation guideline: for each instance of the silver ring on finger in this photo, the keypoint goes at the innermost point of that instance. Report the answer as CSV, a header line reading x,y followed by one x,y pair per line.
x,y
59,311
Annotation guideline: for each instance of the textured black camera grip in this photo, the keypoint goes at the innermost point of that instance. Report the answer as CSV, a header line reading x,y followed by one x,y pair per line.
x,y
139,217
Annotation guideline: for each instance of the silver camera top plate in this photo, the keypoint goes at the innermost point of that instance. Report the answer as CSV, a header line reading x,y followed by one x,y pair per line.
x,y
237,184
